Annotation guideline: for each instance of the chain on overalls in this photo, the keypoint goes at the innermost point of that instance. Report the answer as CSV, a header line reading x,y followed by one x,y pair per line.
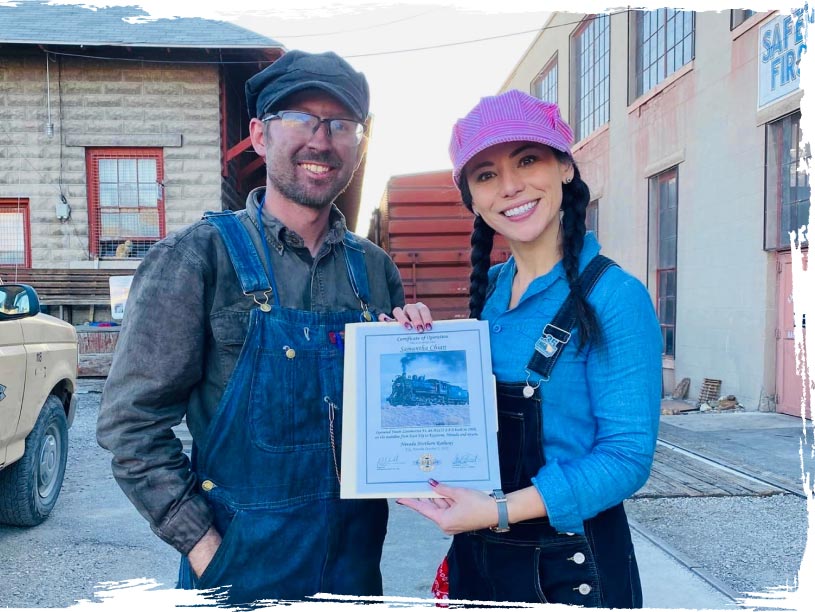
x,y
269,469
533,562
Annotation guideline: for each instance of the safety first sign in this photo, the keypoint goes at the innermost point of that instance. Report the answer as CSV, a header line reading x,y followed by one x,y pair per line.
x,y
781,43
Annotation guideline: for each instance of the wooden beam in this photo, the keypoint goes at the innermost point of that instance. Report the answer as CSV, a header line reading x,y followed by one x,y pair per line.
x,y
243,145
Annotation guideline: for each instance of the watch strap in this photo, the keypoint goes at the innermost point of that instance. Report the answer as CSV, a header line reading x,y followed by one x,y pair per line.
x,y
503,513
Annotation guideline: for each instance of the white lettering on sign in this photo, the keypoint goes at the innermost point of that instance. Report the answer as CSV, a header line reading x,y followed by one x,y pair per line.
x,y
781,42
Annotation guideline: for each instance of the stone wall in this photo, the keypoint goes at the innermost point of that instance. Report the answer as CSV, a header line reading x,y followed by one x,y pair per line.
x,y
104,103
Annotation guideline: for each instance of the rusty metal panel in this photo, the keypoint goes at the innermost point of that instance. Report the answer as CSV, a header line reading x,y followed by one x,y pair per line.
x,y
426,230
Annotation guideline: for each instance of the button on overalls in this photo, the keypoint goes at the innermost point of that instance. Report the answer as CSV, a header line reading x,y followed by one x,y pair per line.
x,y
270,467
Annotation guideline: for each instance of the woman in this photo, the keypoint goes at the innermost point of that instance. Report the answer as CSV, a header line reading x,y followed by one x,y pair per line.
x,y
578,402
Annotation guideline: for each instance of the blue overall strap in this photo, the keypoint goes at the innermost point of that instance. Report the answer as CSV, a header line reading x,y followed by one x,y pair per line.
x,y
556,334
242,253
357,272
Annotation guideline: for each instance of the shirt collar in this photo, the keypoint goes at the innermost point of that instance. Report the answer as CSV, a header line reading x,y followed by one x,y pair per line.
x,y
503,283
282,235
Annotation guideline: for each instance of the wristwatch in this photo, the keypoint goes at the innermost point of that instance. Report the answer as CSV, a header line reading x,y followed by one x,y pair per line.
x,y
503,515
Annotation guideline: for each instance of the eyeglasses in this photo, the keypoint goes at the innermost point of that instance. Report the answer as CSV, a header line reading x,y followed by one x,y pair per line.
x,y
342,131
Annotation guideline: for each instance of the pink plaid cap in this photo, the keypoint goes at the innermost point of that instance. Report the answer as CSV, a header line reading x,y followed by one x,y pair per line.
x,y
508,117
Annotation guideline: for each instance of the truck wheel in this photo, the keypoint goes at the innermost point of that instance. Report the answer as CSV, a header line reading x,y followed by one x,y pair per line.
x,y
29,487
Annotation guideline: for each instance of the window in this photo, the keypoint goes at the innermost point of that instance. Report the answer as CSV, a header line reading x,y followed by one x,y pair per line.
x,y
664,44
592,217
739,16
786,191
663,200
125,201
544,87
15,233
591,52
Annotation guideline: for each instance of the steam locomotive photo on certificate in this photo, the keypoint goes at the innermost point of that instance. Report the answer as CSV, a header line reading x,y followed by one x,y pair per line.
x,y
424,389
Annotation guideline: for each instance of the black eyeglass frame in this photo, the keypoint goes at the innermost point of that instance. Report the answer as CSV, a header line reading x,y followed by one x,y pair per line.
x,y
359,132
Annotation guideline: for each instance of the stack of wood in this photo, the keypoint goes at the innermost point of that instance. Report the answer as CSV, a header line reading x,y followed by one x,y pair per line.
x,y
710,390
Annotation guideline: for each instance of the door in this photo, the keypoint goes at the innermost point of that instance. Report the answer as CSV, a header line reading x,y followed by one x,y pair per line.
x,y
788,383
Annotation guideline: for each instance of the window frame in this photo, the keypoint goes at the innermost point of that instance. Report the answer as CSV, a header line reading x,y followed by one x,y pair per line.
x,y
784,167
584,125
14,205
92,157
739,16
548,68
638,85
655,271
593,205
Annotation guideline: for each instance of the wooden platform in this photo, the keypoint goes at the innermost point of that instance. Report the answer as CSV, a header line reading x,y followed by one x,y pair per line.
x,y
675,474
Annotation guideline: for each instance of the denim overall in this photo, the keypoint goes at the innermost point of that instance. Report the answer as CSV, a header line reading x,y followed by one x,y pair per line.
x,y
533,562
270,467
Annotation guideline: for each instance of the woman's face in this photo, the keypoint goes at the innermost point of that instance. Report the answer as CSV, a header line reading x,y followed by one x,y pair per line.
x,y
517,188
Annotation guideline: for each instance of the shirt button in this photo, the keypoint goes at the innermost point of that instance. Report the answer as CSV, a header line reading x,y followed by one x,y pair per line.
x,y
584,589
496,328
579,558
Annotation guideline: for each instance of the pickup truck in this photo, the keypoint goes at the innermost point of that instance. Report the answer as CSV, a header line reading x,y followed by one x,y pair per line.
x,y
38,369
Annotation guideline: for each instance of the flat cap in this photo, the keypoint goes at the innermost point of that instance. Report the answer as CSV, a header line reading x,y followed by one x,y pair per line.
x,y
298,70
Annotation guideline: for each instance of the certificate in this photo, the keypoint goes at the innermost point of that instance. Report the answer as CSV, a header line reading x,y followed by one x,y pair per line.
x,y
418,406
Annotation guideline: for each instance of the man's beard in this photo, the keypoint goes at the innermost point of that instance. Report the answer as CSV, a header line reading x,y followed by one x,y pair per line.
x,y
292,189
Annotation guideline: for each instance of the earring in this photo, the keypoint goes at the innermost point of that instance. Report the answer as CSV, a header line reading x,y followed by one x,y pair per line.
x,y
567,181
561,215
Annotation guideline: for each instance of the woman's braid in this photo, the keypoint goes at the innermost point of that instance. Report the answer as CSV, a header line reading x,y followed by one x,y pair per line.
x,y
481,248
575,200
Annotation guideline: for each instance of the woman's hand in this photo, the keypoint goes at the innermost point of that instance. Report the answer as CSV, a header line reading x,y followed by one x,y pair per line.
x,y
414,316
458,511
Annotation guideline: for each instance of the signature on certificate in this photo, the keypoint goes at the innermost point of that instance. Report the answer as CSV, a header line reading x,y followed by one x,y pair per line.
x,y
388,463
465,460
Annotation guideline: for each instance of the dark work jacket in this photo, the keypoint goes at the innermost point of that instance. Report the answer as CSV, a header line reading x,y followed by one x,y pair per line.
x,y
185,323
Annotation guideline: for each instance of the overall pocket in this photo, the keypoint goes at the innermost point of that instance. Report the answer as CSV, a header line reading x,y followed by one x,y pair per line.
x,y
287,410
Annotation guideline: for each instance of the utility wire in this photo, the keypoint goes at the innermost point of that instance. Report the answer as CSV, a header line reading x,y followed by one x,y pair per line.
x,y
372,54
370,27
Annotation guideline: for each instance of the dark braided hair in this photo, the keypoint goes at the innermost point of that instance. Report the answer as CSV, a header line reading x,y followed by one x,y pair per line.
x,y
574,203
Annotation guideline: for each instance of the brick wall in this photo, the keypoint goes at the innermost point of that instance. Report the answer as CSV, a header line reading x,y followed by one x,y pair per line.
x,y
106,103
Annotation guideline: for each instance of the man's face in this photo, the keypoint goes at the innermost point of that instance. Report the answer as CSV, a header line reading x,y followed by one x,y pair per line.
x,y
309,170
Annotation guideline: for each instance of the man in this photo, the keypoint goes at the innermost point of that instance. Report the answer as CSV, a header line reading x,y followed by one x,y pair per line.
x,y
236,322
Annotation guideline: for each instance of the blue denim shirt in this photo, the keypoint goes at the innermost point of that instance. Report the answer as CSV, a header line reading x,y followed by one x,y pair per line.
x,y
601,405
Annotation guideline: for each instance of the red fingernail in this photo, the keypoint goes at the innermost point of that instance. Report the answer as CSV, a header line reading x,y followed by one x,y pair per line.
x,y
420,328
433,483
408,326
429,326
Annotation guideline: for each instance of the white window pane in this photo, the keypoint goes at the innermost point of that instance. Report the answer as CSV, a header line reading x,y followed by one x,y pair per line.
x,y
147,171
130,223
128,194
108,194
110,224
107,171
148,223
148,194
12,238
127,170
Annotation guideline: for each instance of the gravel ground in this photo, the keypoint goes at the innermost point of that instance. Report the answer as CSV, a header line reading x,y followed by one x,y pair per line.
x,y
750,543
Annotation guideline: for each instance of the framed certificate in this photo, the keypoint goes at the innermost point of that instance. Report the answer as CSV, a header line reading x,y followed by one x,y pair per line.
x,y
418,406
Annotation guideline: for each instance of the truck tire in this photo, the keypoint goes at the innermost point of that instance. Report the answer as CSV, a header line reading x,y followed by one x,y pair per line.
x,y
29,488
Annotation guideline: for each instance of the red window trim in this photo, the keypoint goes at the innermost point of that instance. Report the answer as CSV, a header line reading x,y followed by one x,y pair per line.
x,y
92,155
19,205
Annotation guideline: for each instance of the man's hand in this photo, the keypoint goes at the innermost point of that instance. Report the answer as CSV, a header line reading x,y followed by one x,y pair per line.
x,y
203,552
